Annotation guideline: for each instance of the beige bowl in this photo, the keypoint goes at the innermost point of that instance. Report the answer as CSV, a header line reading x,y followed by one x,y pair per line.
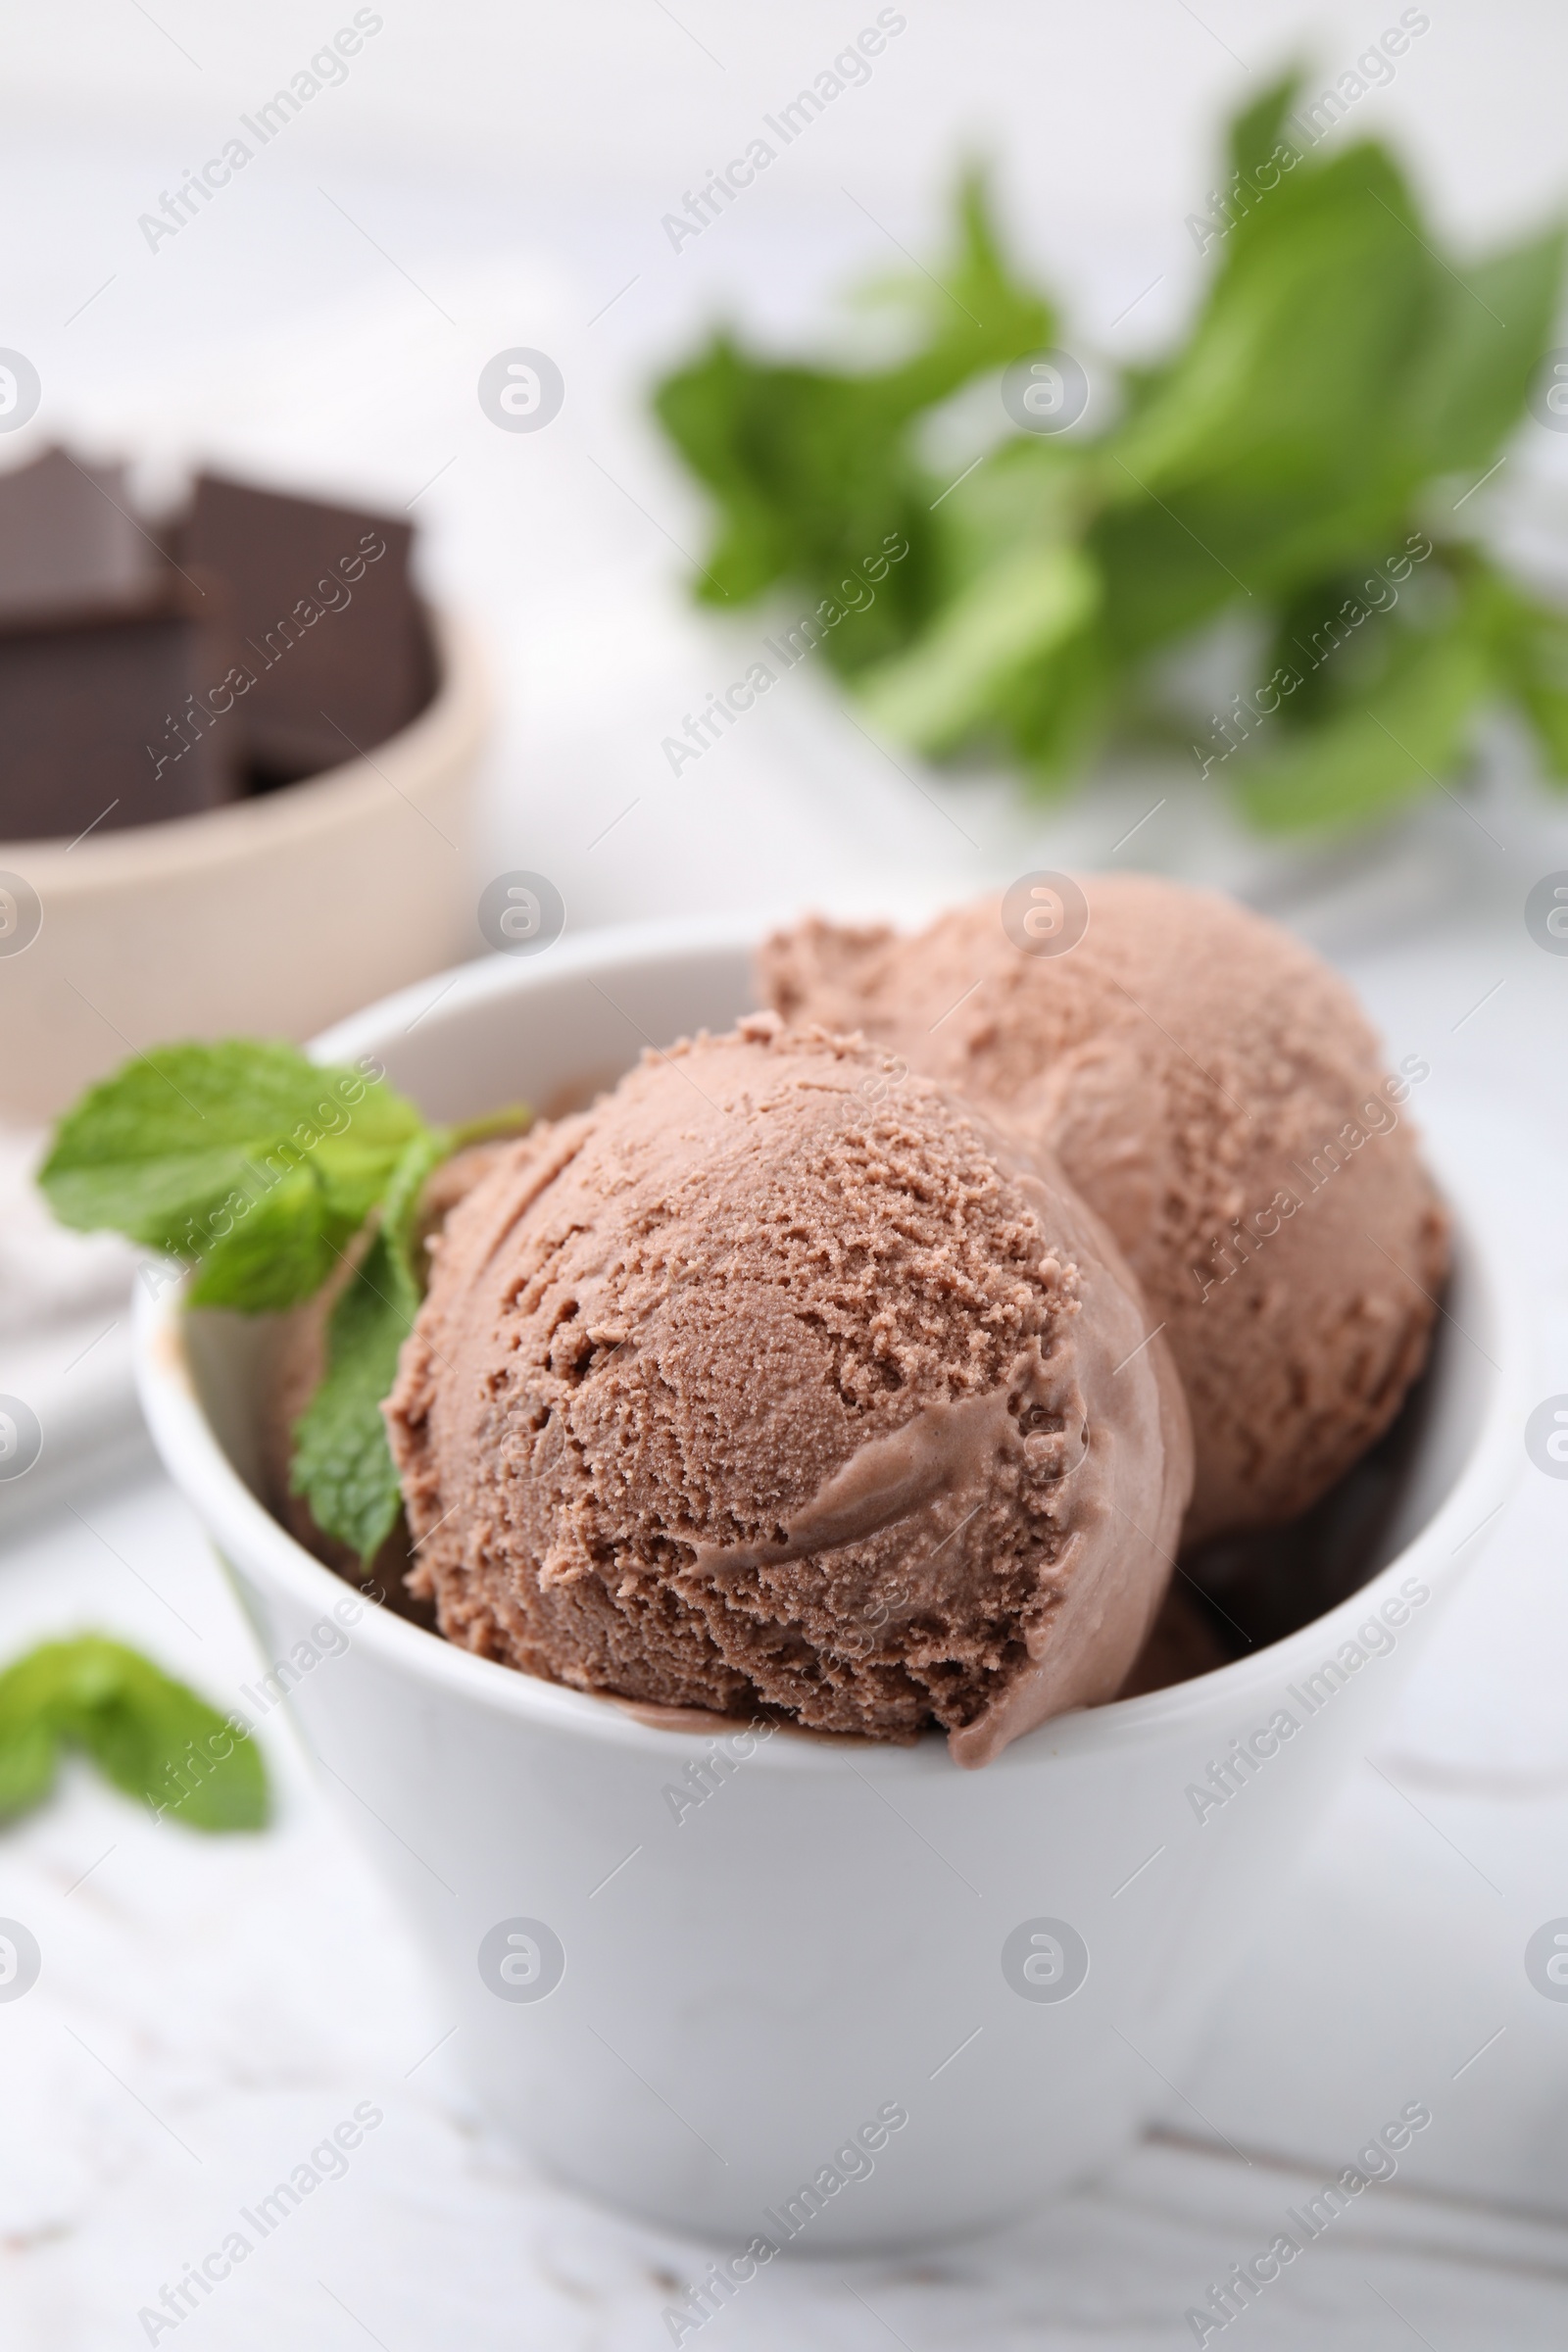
x,y
269,917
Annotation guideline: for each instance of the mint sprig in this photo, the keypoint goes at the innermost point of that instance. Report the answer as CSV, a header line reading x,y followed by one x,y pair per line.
x,y
342,1464
257,1168
152,1736
814,471
242,1157
1344,386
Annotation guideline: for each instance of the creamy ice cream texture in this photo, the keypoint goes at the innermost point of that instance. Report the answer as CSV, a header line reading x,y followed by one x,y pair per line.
x,y
763,1386
1214,1090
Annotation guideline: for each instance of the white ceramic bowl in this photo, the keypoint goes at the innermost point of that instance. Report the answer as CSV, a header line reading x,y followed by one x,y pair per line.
x,y
268,918
835,1931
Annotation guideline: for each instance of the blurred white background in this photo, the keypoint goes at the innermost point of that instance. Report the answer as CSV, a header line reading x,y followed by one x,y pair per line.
x,y
487,178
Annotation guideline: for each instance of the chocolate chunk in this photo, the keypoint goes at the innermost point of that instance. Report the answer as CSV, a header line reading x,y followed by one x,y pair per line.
x,y
118,714
327,621
68,537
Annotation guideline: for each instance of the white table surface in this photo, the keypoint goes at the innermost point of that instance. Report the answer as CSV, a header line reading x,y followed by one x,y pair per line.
x,y
209,2009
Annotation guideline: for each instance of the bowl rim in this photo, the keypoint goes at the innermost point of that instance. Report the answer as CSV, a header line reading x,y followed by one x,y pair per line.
x,y
239,1524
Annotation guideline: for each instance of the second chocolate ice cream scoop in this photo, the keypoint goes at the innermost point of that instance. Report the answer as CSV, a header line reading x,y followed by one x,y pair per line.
x,y
1214,1090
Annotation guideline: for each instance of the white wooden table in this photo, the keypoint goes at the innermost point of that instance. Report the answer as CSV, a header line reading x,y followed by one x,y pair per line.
x,y
209,2010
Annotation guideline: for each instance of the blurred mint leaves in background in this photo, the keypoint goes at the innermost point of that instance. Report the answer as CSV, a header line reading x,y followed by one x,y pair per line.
x,y
151,1735
1302,462
812,469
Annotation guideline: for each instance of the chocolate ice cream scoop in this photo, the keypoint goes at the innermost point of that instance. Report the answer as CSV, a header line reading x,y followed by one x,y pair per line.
x,y
758,1386
1215,1091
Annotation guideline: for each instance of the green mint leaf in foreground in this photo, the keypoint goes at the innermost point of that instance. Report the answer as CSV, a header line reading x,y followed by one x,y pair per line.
x,y
246,1158
342,1462
151,1735
262,1169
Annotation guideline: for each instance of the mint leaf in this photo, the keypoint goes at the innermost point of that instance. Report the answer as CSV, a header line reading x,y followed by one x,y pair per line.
x,y
289,1240
1309,317
27,1752
342,1462
1473,375
151,1735
246,1156
1531,643
1380,746
262,1167
1258,128
1056,716
815,472
1000,628
1342,373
